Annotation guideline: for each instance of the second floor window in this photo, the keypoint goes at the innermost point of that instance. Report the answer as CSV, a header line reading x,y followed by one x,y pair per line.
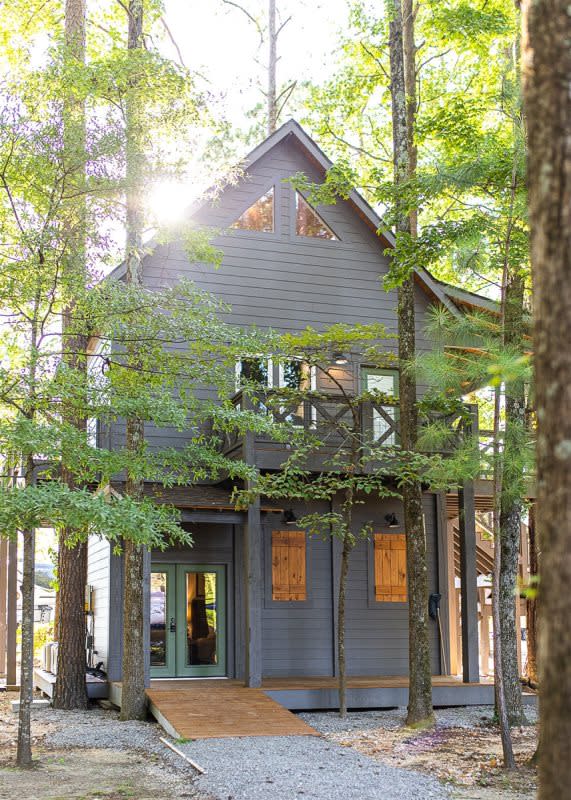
x,y
309,223
257,371
259,216
385,417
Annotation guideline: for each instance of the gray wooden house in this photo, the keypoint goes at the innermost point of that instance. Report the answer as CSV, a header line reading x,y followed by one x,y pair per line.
x,y
220,609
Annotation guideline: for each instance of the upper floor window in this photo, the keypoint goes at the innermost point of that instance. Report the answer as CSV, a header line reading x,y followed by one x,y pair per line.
x,y
385,417
258,371
309,223
259,216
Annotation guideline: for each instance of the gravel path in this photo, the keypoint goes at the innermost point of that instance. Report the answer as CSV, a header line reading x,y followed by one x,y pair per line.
x,y
301,768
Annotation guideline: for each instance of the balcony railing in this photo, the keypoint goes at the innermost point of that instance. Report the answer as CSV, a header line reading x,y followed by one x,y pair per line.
x,y
331,418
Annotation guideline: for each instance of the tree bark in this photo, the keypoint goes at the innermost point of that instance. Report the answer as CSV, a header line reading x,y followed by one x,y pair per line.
x,y
70,688
420,681
341,625
24,748
531,604
499,687
547,95
133,700
511,503
272,64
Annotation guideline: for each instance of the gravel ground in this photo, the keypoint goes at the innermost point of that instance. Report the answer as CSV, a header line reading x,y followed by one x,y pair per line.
x,y
394,718
300,768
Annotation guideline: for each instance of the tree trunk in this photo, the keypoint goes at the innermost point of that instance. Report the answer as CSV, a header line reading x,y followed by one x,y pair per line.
x,y
420,710
511,503
133,700
531,604
499,686
341,625
272,64
547,94
24,751
70,687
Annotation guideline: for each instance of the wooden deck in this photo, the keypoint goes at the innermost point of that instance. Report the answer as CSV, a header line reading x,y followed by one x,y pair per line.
x,y
208,709
195,708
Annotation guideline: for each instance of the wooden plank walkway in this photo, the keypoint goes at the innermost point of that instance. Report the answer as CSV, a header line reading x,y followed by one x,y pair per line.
x,y
213,709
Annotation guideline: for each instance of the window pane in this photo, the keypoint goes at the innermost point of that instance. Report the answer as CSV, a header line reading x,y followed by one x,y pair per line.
x,y
260,215
201,618
158,619
308,222
386,383
254,370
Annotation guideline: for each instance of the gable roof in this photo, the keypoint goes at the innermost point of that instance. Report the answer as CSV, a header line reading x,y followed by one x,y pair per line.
x,y
439,291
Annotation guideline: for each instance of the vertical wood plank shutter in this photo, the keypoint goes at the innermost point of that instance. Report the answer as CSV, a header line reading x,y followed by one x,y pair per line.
x,y
390,567
288,565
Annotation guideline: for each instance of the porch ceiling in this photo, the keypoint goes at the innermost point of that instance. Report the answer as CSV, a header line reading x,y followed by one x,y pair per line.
x,y
193,497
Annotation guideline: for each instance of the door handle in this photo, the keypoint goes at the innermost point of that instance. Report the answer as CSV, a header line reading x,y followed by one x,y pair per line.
x,y
173,625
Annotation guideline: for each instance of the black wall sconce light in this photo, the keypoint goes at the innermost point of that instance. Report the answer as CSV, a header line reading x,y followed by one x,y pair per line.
x,y
340,359
289,517
391,520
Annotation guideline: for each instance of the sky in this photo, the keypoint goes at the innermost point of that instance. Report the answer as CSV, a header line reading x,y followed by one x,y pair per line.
x,y
219,40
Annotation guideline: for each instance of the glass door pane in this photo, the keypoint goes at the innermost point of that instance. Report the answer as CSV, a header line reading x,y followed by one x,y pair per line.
x,y
162,621
201,633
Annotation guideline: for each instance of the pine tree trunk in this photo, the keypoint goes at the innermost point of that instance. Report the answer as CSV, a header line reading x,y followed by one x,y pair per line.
x,y
511,504
341,626
420,710
133,700
70,688
272,64
531,604
24,749
547,94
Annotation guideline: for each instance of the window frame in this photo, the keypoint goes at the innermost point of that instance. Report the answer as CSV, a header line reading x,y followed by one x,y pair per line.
x,y
394,373
269,602
238,371
312,388
298,237
275,233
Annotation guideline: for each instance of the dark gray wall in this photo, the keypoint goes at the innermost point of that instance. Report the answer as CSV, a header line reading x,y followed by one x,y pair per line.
x,y
213,544
282,280
299,639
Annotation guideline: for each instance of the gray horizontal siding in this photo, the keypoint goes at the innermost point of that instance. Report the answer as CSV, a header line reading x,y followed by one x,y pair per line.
x,y
377,634
298,641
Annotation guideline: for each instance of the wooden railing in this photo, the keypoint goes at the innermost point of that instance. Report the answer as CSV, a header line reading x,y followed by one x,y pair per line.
x,y
331,418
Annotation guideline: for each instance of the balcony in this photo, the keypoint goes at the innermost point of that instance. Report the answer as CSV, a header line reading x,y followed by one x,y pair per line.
x,y
331,419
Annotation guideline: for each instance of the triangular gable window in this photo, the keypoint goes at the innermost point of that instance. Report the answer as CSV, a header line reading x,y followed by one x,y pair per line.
x,y
309,223
259,216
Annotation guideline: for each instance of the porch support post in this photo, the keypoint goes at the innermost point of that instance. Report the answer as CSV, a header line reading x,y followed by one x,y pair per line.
x,y
469,584
11,619
443,582
253,595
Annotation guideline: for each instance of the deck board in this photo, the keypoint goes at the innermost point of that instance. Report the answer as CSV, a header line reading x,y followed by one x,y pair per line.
x,y
219,709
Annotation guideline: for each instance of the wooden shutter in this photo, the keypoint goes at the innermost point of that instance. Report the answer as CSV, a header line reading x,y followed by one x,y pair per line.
x,y
288,565
390,567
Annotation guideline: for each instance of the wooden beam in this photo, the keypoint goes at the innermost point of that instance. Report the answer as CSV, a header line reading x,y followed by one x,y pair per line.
x,y
469,584
444,568
253,577
253,595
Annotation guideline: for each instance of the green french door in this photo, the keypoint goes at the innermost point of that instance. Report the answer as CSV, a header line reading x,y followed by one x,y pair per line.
x,y
188,620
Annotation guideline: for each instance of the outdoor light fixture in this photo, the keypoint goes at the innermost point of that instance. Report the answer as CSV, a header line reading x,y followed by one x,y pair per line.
x,y
340,359
391,520
289,517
